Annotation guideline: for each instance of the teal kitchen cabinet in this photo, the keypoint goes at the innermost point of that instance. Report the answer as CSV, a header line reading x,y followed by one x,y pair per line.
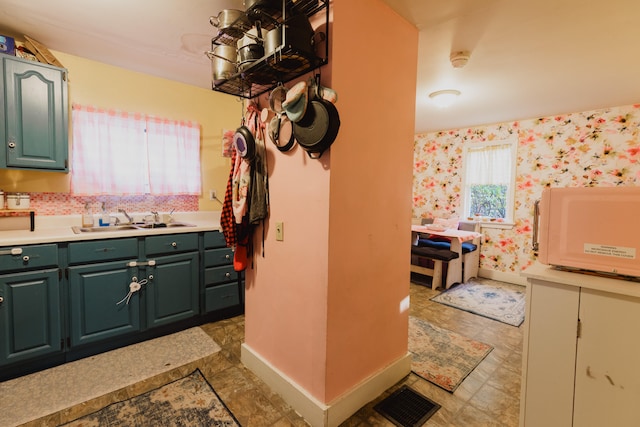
x,y
30,303
33,115
221,281
172,291
100,275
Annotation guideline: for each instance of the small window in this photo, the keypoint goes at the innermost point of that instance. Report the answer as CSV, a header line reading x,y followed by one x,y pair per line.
x,y
489,180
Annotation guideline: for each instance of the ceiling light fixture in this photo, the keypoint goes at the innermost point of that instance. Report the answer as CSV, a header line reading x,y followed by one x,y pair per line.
x,y
444,98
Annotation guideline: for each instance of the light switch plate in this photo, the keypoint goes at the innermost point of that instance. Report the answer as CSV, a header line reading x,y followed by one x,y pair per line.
x,y
279,231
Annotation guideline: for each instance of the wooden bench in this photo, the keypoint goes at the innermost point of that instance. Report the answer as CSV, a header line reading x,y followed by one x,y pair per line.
x,y
438,257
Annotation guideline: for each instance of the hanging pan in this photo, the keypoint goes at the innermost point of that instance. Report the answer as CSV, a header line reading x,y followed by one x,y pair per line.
x,y
280,127
318,128
244,143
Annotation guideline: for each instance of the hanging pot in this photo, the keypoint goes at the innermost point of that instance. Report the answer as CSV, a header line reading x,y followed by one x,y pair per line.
x,y
231,22
253,36
257,8
249,54
298,33
319,126
250,47
290,46
280,128
223,62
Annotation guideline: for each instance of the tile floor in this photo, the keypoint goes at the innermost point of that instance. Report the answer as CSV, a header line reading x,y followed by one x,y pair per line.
x,y
489,396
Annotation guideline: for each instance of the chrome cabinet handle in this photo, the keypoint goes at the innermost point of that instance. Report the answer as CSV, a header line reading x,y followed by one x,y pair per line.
x,y
11,143
25,258
227,275
1,300
174,244
227,256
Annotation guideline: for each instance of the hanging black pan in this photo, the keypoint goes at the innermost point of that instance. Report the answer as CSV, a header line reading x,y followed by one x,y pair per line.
x,y
244,143
319,126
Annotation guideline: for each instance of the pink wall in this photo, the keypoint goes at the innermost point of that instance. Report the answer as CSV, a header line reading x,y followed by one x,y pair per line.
x,y
323,305
370,212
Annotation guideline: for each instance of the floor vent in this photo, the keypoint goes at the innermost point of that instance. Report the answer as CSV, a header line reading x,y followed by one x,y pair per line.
x,y
407,408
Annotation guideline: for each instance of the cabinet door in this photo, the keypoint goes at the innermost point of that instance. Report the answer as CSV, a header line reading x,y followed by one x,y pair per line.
x,y
36,115
95,291
607,370
173,292
30,321
549,354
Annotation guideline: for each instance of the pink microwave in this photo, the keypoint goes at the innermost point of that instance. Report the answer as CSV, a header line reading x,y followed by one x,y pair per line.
x,y
589,228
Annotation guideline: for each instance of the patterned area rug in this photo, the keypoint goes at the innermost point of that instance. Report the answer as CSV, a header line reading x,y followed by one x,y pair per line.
x,y
189,401
499,301
443,357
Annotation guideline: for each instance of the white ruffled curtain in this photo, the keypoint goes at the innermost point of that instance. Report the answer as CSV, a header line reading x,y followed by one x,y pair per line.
x,y
489,165
113,156
174,157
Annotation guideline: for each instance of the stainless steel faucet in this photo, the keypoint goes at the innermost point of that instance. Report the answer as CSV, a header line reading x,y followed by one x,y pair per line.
x,y
156,216
126,215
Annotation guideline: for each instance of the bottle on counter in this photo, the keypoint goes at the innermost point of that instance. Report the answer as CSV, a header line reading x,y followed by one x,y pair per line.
x,y
87,216
104,217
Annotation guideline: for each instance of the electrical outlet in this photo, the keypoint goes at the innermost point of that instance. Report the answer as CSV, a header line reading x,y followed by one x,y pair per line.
x,y
212,194
279,231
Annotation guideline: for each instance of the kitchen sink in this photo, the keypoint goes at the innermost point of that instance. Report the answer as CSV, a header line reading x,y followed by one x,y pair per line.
x,y
79,230
163,225
124,227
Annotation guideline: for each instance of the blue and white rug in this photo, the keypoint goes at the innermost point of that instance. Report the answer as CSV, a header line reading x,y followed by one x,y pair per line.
x,y
504,302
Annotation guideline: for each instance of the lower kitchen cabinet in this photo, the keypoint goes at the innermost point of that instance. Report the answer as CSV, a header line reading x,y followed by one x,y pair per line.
x,y
30,315
99,276
113,292
580,353
221,281
30,303
99,307
172,293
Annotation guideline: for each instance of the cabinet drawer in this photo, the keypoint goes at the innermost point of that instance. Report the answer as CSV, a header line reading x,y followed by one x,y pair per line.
x,y
219,274
214,239
214,257
171,243
222,296
28,257
102,250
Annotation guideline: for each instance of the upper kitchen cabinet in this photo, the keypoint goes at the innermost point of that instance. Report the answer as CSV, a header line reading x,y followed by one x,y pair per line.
x,y
33,116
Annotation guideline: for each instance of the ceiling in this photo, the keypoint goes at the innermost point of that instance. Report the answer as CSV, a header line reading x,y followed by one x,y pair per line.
x,y
528,58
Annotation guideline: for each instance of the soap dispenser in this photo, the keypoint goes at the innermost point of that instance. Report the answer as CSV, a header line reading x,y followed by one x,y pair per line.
x,y
104,217
87,217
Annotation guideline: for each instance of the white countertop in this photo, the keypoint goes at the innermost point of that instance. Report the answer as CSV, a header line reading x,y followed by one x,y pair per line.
x,y
52,229
584,280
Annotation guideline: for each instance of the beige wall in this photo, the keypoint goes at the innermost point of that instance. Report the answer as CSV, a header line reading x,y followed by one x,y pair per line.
x,y
102,85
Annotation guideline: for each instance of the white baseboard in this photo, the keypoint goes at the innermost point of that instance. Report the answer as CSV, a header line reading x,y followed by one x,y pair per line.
x,y
316,413
514,278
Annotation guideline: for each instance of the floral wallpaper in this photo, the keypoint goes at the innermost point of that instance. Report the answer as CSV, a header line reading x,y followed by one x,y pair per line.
x,y
593,148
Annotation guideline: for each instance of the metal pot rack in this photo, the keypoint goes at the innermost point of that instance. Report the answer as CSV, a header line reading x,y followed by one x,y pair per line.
x,y
264,74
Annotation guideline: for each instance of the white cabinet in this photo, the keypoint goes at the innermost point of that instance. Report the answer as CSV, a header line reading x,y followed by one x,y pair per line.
x,y
580,351
607,372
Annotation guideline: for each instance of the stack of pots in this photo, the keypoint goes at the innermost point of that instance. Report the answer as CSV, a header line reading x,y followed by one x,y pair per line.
x,y
251,47
241,41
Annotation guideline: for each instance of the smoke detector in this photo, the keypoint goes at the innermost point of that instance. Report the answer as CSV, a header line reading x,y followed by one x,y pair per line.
x,y
459,59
